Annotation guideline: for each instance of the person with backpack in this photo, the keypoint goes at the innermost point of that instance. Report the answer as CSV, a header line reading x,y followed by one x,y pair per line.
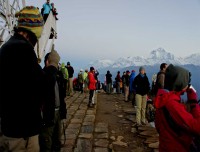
x,y
21,96
92,85
80,80
64,71
46,9
54,107
108,82
86,82
176,125
118,79
142,87
160,78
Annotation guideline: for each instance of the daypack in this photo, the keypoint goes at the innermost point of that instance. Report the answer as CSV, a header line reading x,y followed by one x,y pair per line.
x,y
80,78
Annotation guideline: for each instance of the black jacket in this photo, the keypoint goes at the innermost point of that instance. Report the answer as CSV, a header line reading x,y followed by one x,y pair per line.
x,y
108,78
70,71
141,85
127,80
21,88
48,106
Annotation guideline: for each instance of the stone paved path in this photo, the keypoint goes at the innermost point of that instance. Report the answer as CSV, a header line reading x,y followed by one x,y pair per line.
x,y
80,128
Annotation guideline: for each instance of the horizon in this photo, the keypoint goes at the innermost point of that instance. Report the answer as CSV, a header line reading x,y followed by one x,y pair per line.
x,y
109,29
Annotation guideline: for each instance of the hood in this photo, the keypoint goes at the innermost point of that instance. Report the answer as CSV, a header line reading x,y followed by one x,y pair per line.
x,y
164,96
132,75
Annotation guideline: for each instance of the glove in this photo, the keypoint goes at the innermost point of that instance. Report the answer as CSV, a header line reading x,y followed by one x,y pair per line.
x,y
54,58
192,95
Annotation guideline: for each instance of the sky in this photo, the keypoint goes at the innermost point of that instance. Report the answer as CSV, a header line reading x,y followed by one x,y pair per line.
x,y
89,30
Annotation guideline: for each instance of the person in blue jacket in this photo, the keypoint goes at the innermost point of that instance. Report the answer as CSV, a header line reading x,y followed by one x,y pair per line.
x,y
132,89
47,7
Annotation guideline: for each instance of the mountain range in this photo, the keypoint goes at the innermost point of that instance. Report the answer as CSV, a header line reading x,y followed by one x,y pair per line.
x,y
151,64
155,57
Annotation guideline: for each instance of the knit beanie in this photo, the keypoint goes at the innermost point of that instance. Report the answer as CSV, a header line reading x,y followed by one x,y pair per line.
x,y
176,78
54,58
30,19
141,68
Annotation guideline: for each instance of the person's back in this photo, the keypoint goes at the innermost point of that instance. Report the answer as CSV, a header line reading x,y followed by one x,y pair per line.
x,y
21,84
47,7
108,78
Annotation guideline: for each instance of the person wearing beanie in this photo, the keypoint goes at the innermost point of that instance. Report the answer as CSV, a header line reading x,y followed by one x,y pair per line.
x,y
126,85
64,71
123,82
53,107
80,80
70,81
86,81
142,86
92,85
21,96
177,126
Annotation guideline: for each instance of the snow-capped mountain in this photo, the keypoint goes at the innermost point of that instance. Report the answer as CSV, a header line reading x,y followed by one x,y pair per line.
x,y
193,59
155,57
99,64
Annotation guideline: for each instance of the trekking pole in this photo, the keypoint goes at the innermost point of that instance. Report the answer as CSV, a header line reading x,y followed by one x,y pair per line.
x,y
64,132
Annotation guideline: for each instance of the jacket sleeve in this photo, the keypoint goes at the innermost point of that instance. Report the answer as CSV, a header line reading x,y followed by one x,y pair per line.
x,y
186,120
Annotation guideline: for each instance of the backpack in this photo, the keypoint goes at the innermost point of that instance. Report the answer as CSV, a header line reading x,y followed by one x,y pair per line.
x,y
80,78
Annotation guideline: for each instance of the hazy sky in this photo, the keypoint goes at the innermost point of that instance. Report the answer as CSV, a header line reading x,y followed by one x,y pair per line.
x,y
109,29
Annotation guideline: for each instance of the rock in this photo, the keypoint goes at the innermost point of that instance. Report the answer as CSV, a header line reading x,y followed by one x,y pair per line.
x,y
100,124
154,145
102,136
76,121
111,146
74,126
124,121
133,130
120,143
131,118
144,128
150,133
113,132
151,140
101,149
119,138
113,138
87,129
84,145
86,136
101,129
102,143
89,118
120,116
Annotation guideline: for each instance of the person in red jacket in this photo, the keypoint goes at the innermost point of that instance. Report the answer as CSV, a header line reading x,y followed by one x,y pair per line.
x,y
175,124
92,84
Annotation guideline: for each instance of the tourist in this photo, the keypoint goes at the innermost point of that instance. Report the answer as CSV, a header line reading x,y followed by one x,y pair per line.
x,y
142,87
123,82
118,79
46,10
54,10
53,107
21,94
92,85
126,85
132,89
70,81
176,125
86,81
160,78
108,82
80,80
64,71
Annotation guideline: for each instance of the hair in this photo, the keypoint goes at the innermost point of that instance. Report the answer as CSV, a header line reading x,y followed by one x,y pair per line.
x,y
31,36
46,58
162,66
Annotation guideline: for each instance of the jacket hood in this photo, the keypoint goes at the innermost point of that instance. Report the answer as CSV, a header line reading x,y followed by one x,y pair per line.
x,y
164,96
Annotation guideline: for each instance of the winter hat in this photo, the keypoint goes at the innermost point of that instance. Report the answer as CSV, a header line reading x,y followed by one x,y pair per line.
x,y
91,68
141,68
81,70
63,65
54,58
30,19
133,71
176,78
127,71
68,63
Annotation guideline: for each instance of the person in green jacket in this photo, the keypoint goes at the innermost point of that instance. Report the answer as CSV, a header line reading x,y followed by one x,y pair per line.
x,y
65,74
